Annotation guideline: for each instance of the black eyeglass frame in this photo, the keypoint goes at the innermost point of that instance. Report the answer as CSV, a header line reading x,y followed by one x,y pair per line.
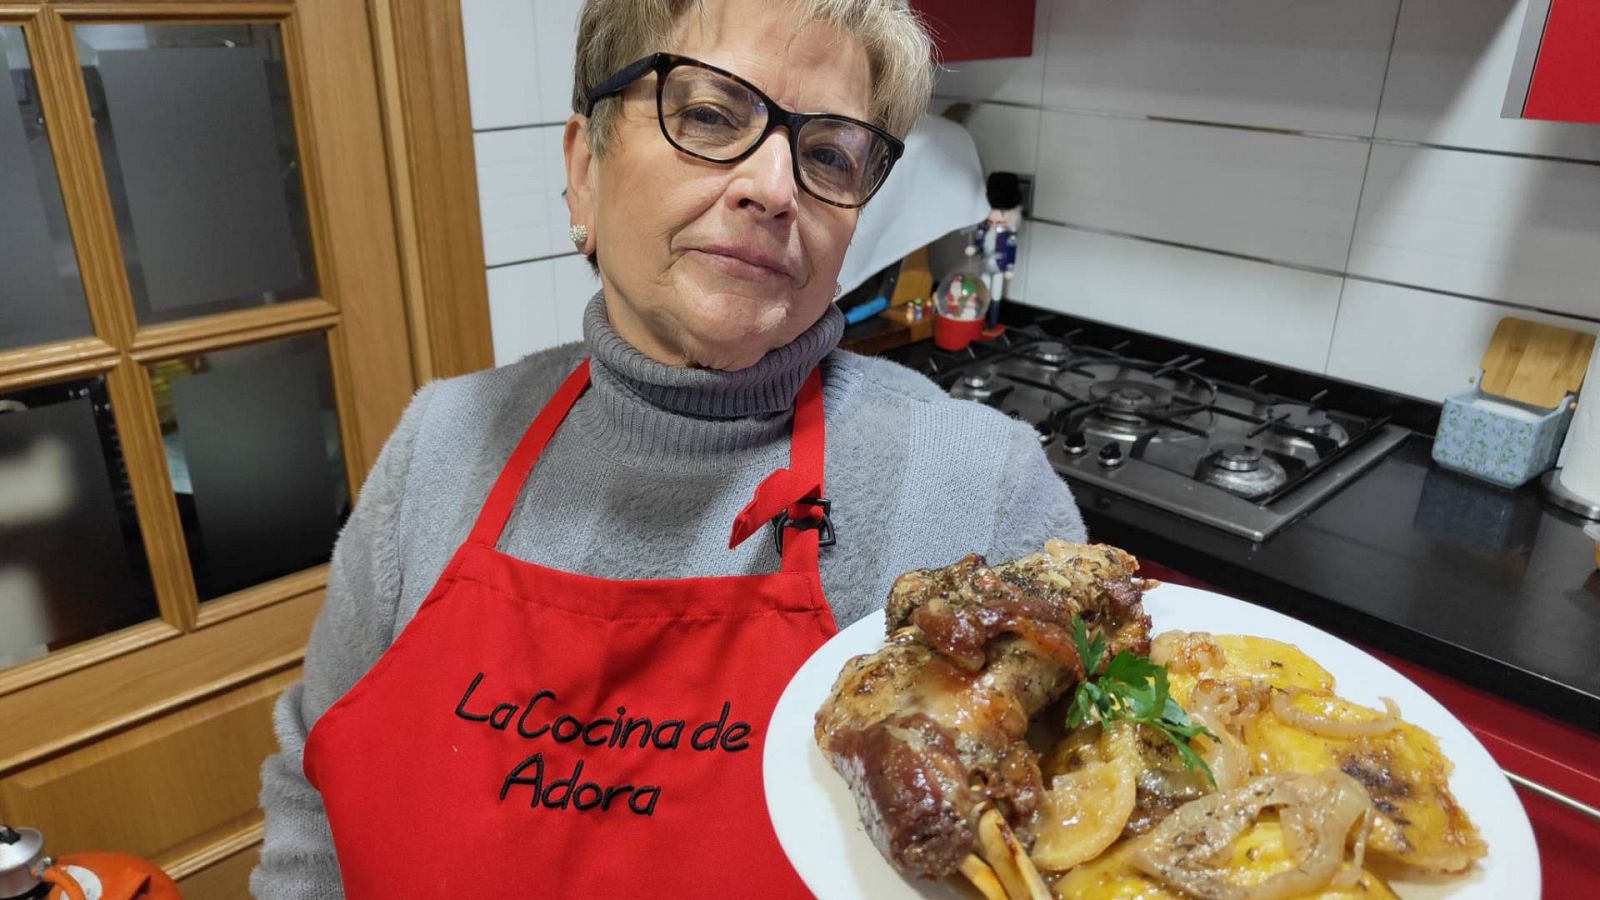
x,y
777,117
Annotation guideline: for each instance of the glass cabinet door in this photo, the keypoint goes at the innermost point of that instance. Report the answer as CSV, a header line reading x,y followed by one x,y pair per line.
x,y
72,561
206,333
175,406
252,444
41,294
196,137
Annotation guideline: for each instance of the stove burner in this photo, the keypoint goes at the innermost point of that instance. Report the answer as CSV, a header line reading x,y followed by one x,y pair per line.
x,y
1050,353
1130,403
1243,470
1304,418
977,385
1127,395
1307,419
1129,400
1238,458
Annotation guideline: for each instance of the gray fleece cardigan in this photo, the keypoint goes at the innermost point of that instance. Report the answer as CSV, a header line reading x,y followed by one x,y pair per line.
x,y
643,480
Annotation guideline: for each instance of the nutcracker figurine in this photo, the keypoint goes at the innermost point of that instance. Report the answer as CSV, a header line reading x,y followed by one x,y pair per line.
x,y
995,238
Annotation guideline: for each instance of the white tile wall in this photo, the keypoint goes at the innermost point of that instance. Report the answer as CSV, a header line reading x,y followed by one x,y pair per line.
x,y
1497,227
1311,65
519,60
1009,80
1253,309
1275,196
556,29
1448,77
1007,136
521,174
537,305
501,82
519,73
1463,221
1415,342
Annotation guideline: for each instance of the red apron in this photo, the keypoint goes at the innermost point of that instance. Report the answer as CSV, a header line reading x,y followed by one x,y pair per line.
x,y
534,732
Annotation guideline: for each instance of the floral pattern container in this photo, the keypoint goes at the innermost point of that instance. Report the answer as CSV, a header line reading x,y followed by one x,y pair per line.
x,y
1499,441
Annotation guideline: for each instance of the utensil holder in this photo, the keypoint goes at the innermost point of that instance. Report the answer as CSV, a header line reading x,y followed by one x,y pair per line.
x,y
1500,441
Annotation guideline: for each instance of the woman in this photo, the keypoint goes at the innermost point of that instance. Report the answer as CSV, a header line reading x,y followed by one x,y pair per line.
x,y
579,708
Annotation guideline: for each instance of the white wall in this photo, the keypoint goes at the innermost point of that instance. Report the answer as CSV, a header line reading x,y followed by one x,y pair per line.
x,y
1325,185
519,73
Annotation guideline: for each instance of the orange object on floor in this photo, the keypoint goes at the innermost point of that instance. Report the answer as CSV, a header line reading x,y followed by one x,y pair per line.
x,y
108,876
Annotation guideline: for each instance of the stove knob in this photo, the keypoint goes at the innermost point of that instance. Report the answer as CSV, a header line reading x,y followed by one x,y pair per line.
x,y
1111,455
1075,443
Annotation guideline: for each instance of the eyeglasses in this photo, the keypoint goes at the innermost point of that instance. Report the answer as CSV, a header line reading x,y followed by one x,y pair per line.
x,y
719,117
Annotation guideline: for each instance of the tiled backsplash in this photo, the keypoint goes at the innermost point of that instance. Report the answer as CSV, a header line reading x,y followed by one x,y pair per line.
x,y
519,73
1324,185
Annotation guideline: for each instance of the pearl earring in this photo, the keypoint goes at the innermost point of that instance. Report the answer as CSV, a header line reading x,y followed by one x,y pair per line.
x,y
579,235
838,290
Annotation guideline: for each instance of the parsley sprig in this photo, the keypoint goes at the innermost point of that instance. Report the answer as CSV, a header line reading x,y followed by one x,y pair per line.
x,y
1133,689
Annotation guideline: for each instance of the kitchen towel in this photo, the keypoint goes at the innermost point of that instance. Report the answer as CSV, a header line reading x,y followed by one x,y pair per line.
x,y
935,188
1580,456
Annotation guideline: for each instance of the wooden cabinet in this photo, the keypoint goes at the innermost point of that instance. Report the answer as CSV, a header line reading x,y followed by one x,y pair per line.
x,y
1556,74
238,234
178,785
963,30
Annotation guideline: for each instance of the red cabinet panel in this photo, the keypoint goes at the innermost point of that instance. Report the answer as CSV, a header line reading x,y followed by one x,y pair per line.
x,y
964,30
1569,852
1566,75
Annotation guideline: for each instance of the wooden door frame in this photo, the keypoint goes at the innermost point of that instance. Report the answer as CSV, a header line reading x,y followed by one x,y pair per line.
x,y
430,268
422,62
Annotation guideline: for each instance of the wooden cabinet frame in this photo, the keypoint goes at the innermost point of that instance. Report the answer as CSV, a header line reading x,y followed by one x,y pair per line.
x,y
385,141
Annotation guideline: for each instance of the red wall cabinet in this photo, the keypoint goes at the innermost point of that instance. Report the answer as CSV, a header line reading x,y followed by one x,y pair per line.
x,y
1556,74
964,30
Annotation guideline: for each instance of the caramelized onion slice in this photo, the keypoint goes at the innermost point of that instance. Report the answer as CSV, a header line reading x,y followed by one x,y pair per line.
x,y
1231,702
1323,726
1317,812
1227,756
1189,652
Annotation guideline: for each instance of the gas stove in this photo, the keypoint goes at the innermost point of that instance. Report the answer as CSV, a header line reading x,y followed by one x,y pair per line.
x,y
1233,454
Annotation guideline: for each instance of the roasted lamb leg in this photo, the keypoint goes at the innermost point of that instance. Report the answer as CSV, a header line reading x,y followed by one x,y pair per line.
x,y
928,731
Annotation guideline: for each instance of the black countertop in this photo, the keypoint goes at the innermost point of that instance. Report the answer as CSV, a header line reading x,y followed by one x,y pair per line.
x,y
1496,588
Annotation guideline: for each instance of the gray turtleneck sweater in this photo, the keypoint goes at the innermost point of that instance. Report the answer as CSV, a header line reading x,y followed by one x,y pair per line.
x,y
643,480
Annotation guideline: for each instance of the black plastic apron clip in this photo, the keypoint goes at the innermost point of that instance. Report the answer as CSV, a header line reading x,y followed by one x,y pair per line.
x,y
824,524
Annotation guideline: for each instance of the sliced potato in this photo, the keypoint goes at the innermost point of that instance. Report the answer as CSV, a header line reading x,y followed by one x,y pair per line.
x,y
1257,855
1249,658
1418,821
1088,803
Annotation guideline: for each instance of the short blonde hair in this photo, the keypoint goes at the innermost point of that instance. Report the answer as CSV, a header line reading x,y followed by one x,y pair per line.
x,y
614,33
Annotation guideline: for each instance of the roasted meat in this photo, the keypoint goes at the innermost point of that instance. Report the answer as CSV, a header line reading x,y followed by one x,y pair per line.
x,y
928,731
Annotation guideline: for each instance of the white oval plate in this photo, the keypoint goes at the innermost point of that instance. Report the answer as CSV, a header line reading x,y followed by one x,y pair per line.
x,y
817,824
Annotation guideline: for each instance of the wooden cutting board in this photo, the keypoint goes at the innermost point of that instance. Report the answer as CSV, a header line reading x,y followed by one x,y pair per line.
x,y
1535,364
